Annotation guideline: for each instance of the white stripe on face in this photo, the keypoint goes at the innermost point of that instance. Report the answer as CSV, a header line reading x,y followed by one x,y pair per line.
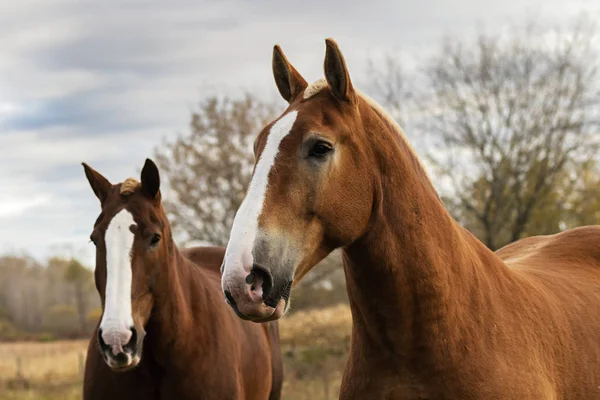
x,y
117,319
238,256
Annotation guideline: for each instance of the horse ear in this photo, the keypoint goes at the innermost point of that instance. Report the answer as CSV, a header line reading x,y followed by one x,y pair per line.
x,y
100,185
289,81
151,180
336,73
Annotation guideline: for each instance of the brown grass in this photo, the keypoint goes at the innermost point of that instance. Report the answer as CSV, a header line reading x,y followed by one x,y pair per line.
x,y
59,392
42,362
315,345
44,371
324,328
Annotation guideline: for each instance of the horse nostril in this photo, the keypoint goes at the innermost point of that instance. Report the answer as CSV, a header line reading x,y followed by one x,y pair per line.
x,y
263,274
130,346
103,345
121,358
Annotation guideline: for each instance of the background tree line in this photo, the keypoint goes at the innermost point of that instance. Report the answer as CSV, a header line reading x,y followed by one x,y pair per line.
x,y
48,301
508,125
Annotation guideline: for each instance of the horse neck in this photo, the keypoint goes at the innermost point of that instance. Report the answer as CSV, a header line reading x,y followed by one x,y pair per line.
x,y
179,293
415,273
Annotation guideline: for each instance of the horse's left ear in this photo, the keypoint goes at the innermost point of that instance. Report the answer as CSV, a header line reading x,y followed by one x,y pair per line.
x,y
336,73
151,180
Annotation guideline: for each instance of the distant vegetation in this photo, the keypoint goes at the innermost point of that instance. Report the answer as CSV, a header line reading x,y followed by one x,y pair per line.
x,y
46,302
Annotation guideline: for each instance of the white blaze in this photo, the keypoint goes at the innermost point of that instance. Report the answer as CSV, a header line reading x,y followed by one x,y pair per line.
x,y
238,256
117,320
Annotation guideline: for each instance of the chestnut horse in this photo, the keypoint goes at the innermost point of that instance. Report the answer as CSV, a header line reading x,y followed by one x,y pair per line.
x,y
436,314
164,320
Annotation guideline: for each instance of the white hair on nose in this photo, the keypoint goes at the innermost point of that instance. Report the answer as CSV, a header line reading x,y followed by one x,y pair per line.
x,y
238,256
117,320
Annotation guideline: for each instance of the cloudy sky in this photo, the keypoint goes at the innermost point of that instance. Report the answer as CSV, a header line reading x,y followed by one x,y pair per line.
x,y
106,81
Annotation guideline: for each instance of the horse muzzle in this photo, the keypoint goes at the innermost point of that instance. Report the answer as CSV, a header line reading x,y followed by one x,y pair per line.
x,y
121,350
258,296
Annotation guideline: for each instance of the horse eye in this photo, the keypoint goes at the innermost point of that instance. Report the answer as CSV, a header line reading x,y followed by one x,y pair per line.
x,y
92,239
320,149
154,240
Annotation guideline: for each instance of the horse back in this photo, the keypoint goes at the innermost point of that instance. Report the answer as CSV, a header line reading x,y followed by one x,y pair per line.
x,y
208,257
563,268
561,275
574,249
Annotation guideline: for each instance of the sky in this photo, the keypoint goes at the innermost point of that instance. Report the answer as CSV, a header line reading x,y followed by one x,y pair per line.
x,y
106,82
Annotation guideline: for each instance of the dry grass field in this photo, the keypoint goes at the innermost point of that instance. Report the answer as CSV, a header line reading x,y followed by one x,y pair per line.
x,y
315,345
44,371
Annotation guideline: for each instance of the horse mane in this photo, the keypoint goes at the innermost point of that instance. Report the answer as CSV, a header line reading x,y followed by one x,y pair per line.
x,y
129,186
390,120
314,88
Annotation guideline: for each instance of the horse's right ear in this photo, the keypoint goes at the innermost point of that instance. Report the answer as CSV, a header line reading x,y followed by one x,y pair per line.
x,y
100,185
289,81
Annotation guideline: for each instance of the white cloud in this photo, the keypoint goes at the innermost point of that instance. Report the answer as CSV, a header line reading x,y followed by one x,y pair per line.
x,y
103,82
15,206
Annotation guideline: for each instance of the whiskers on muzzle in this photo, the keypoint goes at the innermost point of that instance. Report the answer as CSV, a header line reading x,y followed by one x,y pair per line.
x,y
281,292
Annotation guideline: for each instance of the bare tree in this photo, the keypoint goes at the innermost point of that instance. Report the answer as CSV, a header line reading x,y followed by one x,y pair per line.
x,y
20,287
82,281
53,299
391,85
208,169
513,114
583,201
509,117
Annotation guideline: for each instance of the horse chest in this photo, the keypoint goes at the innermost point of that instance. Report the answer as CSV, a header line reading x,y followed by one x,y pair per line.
x,y
199,381
390,389
377,378
200,387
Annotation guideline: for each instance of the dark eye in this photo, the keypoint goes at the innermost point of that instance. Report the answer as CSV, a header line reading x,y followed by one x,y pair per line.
x,y
92,239
154,240
320,149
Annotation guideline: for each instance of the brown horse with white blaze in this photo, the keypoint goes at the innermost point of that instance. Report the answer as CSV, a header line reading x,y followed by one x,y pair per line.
x,y
165,331
436,314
